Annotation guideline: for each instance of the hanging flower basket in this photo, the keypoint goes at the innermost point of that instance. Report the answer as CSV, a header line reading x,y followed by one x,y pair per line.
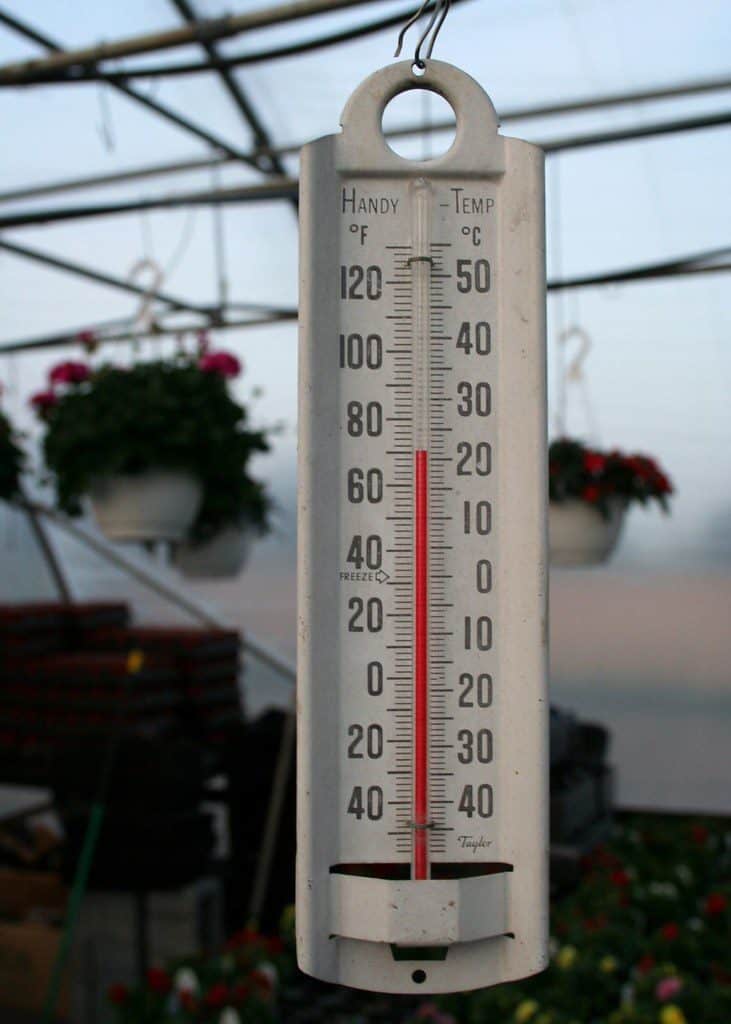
x,y
590,492
223,556
155,505
578,533
161,449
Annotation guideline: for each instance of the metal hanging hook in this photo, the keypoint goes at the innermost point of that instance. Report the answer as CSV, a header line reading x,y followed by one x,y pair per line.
x,y
434,26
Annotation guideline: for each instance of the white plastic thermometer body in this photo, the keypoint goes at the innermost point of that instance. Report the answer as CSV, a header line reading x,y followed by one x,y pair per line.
x,y
423,776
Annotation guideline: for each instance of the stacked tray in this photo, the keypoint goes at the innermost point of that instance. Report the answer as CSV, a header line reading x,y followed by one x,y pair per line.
x,y
207,664
65,674
27,630
62,697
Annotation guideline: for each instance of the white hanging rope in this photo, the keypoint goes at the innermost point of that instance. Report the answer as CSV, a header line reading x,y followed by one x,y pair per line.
x,y
144,316
573,374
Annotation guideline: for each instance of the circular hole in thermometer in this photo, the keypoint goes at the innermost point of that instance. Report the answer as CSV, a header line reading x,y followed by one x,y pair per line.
x,y
421,688
425,107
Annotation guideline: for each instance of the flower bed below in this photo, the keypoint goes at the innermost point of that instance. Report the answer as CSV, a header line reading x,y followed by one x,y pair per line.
x,y
644,939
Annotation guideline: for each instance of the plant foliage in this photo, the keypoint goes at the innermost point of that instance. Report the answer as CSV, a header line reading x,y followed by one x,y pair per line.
x,y
173,414
11,460
642,939
576,471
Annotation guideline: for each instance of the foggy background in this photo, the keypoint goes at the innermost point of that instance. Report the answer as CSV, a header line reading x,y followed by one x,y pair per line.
x,y
643,645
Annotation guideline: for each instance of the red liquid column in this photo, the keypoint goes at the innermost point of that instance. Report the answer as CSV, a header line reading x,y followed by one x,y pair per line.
x,y
421,666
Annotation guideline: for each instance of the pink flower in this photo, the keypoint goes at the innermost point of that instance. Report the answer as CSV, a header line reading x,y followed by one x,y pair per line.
x,y
69,373
43,402
223,363
667,989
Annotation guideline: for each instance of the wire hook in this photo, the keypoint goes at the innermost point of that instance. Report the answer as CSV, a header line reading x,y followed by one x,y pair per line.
x,y
434,26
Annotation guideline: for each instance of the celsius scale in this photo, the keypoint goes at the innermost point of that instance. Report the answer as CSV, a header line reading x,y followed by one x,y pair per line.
x,y
422,706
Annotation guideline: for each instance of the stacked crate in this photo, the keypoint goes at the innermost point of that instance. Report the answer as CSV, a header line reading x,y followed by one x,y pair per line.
x,y
206,665
69,673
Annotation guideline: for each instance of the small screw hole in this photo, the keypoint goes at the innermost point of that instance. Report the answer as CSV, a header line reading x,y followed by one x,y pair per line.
x,y
418,68
419,977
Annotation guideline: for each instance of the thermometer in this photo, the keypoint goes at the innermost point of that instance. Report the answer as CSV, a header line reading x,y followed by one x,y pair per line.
x,y
422,710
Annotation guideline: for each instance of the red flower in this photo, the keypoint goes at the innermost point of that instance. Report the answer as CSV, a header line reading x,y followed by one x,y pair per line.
x,y
118,995
620,878
223,363
645,964
43,402
591,494
594,463
188,1001
240,993
69,373
217,996
275,945
716,904
670,931
663,484
699,834
262,982
595,924
159,981
245,937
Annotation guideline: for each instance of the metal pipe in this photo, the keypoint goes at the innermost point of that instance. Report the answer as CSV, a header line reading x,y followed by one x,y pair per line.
x,y
233,88
57,341
148,72
700,264
121,86
270,834
204,31
116,178
675,268
96,275
687,124
672,269
285,188
204,163
47,550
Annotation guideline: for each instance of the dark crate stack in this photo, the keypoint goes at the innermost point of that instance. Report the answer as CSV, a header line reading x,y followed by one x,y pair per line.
x,y
65,676
85,695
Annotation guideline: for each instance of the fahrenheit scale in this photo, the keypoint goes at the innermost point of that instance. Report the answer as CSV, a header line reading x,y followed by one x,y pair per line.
x,y
422,775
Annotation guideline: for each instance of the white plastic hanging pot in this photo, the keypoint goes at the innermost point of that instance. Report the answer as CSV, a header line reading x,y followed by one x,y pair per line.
x,y
155,505
223,556
578,534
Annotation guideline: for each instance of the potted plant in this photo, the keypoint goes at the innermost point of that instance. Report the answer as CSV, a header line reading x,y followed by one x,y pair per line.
x,y
153,446
589,494
11,460
235,510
